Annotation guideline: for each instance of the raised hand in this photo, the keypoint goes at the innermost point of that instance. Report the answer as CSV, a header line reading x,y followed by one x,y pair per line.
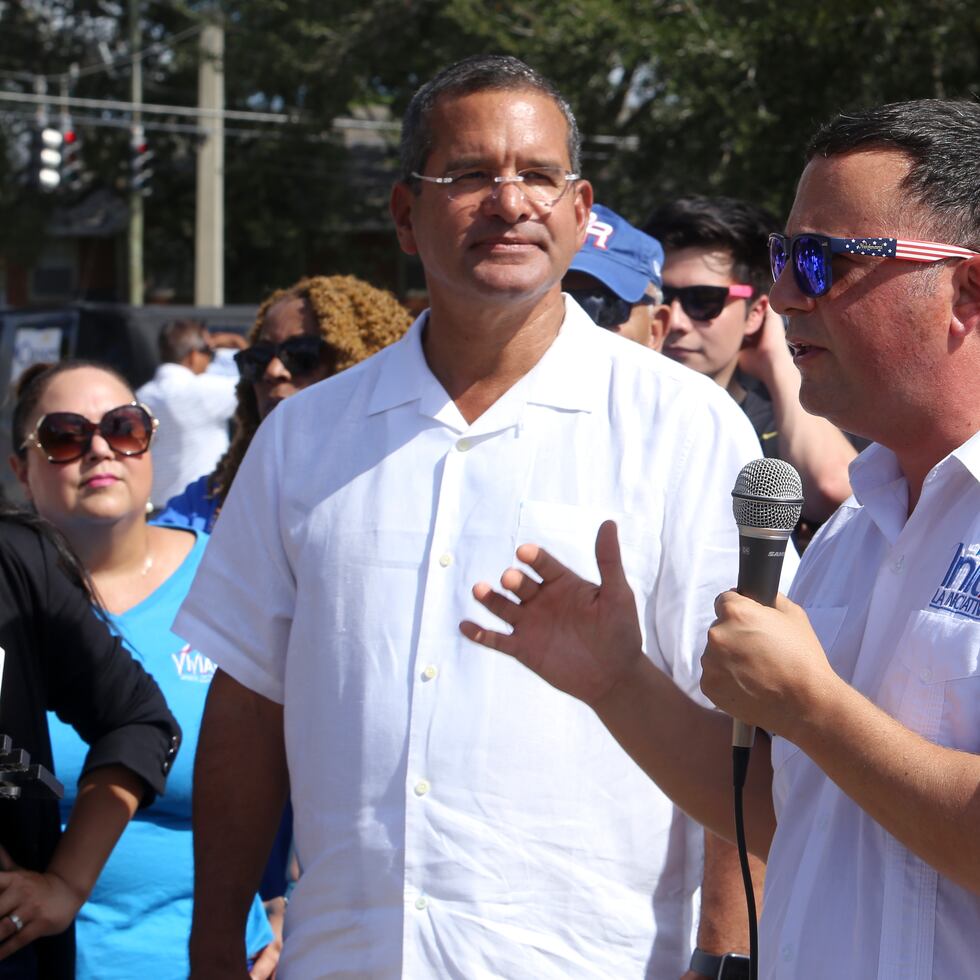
x,y
582,638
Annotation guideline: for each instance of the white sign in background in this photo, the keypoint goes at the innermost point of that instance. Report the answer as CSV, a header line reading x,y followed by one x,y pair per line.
x,y
33,345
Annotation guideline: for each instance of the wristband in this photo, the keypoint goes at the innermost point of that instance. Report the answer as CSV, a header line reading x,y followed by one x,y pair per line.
x,y
727,966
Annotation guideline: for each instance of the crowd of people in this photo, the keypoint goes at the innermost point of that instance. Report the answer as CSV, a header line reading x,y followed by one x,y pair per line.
x,y
296,563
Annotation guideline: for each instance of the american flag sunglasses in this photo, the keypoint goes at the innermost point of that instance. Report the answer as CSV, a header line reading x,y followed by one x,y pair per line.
x,y
811,255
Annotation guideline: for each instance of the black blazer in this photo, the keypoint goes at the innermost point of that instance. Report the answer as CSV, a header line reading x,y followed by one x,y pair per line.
x,y
60,655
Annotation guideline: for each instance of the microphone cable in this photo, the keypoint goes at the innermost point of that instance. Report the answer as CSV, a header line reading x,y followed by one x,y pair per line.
x,y
740,768
766,502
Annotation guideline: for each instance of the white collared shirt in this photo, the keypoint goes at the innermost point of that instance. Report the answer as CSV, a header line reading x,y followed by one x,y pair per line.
x,y
894,600
454,815
194,410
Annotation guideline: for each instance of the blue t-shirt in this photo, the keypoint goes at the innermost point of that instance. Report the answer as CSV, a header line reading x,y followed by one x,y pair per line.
x,y
193,508
137,921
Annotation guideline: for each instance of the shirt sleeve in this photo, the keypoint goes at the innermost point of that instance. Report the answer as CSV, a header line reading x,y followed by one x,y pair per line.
x,y
700,539
216,393
192,508
95,686
239,610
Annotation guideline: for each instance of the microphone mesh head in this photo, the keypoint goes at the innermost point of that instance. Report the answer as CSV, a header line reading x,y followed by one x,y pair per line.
x,y
768,493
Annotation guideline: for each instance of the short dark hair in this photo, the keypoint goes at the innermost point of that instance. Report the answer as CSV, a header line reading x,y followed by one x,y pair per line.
x,y
479,73
941,138
719,222
178,338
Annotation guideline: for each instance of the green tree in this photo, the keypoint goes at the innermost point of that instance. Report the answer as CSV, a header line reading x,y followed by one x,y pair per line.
x,y
674,96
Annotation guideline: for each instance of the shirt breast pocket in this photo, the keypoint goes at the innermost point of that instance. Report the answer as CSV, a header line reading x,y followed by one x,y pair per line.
x,y
939,660
568,532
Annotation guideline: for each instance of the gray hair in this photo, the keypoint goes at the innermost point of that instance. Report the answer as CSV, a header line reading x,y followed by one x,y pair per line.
x,y
479,73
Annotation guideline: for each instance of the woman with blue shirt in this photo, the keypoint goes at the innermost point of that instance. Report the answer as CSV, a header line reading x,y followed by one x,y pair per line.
x,y
82,456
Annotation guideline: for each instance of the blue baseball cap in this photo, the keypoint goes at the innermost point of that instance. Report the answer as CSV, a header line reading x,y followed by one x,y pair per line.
x,y
620,256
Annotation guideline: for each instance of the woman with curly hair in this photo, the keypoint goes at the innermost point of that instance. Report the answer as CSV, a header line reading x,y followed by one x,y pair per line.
x,y
317,327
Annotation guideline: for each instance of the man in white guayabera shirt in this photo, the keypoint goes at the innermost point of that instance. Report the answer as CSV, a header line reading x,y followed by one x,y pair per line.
x,y
453,816
867,802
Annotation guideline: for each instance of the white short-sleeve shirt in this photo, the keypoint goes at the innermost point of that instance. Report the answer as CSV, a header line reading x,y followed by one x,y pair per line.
x,y
454,815
194,410
895,601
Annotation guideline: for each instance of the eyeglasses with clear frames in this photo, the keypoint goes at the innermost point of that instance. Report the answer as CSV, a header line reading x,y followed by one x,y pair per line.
x,y
543,186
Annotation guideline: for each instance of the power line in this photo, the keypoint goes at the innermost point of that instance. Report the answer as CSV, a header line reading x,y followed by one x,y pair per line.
x,y
110,65
392,127
166,110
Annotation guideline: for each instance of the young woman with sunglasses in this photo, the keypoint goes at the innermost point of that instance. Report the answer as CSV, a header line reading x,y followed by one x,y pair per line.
x,y
82,456
303,334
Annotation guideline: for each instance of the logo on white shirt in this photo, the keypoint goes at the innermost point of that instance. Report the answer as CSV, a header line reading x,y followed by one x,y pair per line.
x,y
959,592
192,665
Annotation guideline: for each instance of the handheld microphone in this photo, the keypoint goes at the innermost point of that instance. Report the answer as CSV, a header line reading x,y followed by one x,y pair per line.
x,y
767,500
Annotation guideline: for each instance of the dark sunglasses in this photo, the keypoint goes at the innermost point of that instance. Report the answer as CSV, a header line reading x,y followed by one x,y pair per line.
x,y
606,308
299,355
67,436
811,255
705,302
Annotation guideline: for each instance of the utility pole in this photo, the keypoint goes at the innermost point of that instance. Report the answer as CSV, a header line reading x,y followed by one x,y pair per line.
x,y
136,138
209,240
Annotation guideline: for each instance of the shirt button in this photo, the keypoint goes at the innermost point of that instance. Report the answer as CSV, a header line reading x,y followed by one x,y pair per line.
x,y
463,444
430,672
421,903
925,675
787,953
823,822
445,560
899,563
422,787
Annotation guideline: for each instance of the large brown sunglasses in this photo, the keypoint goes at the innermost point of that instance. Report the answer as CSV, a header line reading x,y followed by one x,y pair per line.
x,y
66,436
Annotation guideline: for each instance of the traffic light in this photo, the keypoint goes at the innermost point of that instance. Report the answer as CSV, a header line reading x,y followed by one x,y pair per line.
x,y
140,156
72,173
47,161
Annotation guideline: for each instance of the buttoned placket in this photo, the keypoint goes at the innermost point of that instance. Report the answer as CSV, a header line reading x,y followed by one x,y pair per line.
x,y
441,582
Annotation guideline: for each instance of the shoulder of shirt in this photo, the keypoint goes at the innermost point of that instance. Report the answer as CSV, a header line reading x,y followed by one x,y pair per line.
x,y
165,375
19,539
627,355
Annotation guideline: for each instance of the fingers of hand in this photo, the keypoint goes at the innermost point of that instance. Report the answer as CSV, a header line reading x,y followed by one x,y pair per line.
x,y
13,938
607,552
544,564
485,637
265,965
502,607
725,601
520,583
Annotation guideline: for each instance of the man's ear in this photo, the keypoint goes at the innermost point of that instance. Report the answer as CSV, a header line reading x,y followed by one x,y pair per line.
x,y
583,208
965,318
659,322
401,205
19,466
756,316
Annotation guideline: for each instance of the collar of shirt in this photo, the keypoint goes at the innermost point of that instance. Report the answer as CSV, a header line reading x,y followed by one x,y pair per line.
x,y
562,379
881,489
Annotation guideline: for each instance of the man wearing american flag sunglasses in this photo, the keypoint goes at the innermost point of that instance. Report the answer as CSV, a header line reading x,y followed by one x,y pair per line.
x,y
865,800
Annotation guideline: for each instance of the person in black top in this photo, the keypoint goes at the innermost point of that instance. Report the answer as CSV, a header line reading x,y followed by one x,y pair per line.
x,y
60,655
